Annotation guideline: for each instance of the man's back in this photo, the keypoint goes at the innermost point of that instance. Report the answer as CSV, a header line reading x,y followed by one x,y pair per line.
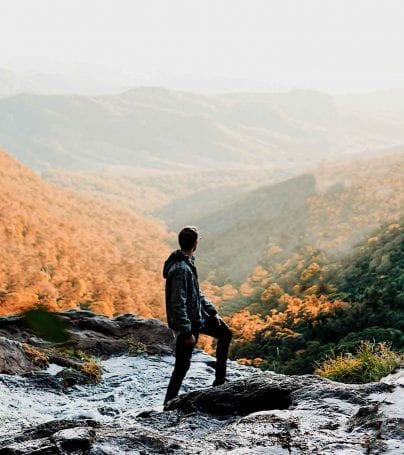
x,y
182,293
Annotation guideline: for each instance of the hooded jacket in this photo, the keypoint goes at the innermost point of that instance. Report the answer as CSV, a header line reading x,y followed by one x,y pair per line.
x,y
187,307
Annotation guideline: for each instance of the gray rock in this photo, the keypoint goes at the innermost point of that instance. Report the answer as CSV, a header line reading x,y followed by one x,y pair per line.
x,y
14,360
264,413
69,377
35,447
276,414
72,439
98,335
54,437
267,391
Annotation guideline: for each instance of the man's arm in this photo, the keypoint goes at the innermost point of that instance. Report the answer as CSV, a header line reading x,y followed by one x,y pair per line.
x,y
207,305
178,301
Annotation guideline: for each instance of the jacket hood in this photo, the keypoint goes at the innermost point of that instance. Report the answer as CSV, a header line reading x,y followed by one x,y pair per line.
x,y
175,256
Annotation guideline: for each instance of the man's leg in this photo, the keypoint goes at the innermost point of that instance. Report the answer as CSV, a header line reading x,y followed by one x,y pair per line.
x,y
183,356
223,334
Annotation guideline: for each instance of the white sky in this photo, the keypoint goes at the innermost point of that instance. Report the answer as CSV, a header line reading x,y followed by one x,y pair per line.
x,y
209,45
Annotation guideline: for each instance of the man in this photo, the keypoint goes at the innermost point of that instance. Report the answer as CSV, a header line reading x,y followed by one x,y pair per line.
x,y
190,313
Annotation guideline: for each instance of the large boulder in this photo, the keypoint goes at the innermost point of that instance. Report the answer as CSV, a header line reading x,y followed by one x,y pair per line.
x,y
269,391
18,358
53,437
279,414
97,334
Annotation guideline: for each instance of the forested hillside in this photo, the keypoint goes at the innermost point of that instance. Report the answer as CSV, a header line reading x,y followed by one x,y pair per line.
x,y
325,306
176,197
329,209
64,250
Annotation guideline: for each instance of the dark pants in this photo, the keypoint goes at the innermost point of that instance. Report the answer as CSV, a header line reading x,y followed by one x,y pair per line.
x,y
183,354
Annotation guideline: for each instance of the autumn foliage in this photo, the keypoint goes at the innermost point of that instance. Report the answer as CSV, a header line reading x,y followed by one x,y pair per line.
x,y
64,250
306,306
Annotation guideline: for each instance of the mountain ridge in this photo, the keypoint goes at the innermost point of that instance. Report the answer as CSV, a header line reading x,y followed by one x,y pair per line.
x,y
159,128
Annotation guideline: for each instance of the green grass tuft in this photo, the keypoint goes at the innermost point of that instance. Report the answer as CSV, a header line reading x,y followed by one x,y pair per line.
x,y
369,363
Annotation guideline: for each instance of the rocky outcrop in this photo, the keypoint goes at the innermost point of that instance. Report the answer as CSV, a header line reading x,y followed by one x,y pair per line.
x,y
18,358
270,391
86,332
298,414
255,413
256,393
96,334
99,335
23,348
319,417
54,437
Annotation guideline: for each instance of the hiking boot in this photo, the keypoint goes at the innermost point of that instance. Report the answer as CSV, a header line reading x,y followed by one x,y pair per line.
x,y
219,381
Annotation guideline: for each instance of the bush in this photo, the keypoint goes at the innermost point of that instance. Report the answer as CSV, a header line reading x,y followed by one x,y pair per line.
x,y
369,363
93,370
136,347
37,357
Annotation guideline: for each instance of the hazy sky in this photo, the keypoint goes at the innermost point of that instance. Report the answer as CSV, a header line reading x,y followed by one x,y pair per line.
x,y
210,45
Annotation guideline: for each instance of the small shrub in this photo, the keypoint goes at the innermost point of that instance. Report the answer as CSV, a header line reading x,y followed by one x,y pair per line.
x,y
369,363
37,357
93,370
136,347
72,353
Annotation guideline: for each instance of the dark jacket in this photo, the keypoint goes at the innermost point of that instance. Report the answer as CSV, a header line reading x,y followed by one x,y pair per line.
x,y
187,307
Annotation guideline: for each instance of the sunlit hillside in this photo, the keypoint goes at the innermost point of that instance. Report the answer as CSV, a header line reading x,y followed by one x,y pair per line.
x,y
65,250
178,198
325,306
331,208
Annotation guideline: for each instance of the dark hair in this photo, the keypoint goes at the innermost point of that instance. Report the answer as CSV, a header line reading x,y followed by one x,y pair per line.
x,y
187,237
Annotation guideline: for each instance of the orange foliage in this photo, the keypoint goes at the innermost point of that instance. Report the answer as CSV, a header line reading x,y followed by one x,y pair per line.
x,y
258,274
252,362
310,272
273,291
205,342
64,250
211,291
246,290
298,310
245,325
217,294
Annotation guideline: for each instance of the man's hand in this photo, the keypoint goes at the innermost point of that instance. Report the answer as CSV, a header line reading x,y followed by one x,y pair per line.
x,y
217,319
190,341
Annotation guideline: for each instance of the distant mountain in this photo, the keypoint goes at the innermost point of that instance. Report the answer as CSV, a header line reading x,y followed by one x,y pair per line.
x,y
331,208
13,83
156,128
382,102
63,250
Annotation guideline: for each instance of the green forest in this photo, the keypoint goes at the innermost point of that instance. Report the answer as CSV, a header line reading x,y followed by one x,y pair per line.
x,y
357,297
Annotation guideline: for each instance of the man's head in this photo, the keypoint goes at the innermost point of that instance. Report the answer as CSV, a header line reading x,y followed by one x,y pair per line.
x,y
188,238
